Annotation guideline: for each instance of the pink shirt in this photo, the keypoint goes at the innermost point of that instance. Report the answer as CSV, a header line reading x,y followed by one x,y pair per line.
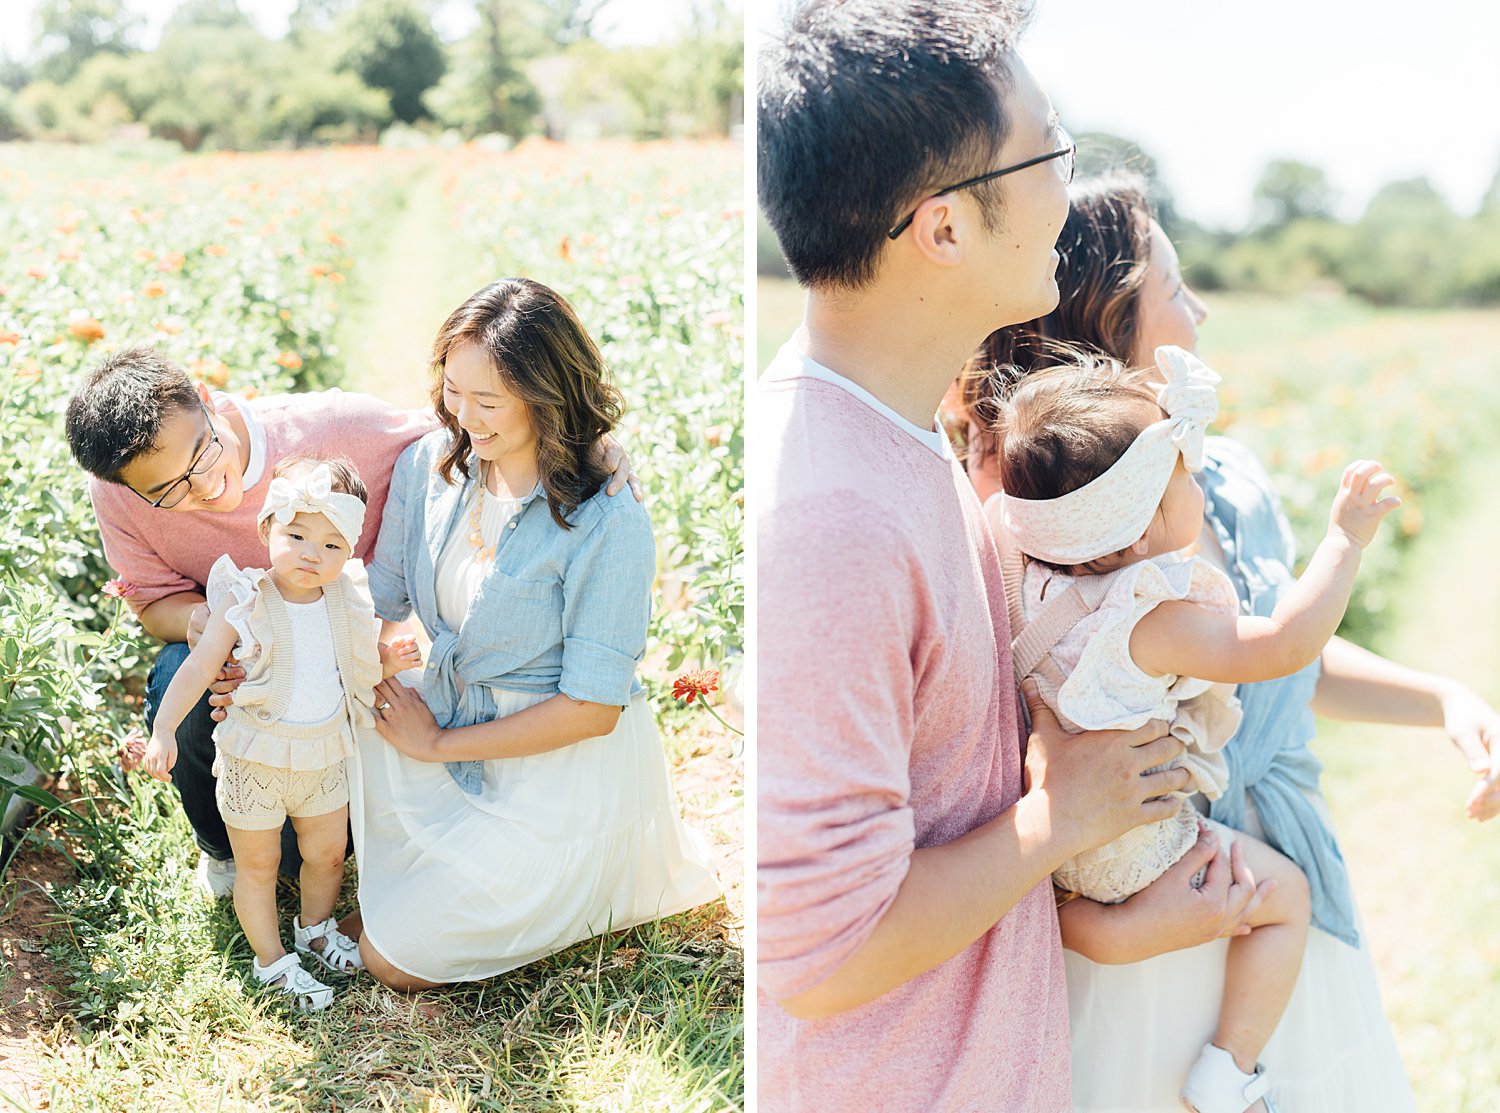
x,y
164,552
887,720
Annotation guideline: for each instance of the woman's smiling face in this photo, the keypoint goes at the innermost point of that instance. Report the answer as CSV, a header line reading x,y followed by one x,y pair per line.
x,y
497,422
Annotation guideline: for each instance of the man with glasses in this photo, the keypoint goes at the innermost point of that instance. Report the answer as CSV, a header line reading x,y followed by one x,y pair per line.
x,y
177,477
908,955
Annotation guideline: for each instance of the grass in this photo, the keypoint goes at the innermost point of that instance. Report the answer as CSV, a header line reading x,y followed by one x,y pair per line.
x,y
1423,873
161,1013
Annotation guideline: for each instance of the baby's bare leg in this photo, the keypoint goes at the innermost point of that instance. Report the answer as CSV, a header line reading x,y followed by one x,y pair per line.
x,y
322,840
1262,966
256,856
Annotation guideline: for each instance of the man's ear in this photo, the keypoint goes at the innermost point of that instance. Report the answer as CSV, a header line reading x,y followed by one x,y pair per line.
x,y
202,391
935,231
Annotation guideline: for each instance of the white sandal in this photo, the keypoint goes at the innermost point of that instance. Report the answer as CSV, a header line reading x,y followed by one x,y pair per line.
x,y
307,993
1217,1085
339,954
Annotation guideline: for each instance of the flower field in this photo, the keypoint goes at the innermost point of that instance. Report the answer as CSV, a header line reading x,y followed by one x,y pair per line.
x,y
246,270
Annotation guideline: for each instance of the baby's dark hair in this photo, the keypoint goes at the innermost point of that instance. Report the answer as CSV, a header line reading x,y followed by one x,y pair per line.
x,y
1061,428
346,480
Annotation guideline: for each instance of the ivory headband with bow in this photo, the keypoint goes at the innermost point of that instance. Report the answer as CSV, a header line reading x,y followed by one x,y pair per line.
x,y
1113,511
311,492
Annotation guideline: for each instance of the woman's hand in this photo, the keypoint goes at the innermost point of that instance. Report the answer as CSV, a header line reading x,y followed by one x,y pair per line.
x,y
1474,727
403,720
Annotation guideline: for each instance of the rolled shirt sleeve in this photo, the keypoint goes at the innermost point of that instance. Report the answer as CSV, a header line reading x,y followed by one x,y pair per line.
x,y
835,620
607,606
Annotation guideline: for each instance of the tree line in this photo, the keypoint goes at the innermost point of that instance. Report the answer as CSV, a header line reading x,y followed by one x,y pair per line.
x,y
346,70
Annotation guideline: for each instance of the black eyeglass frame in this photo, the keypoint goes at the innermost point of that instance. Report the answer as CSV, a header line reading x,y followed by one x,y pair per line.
x,y
198,468
1064,152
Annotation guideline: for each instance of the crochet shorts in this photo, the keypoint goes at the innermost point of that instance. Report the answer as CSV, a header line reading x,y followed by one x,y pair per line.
x,y
254,797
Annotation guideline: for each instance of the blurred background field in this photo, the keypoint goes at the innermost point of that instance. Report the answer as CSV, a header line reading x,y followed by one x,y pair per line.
x,y
267,271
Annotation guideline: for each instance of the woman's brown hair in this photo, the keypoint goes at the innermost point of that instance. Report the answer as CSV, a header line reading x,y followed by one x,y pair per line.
x,y
1104,249
545,358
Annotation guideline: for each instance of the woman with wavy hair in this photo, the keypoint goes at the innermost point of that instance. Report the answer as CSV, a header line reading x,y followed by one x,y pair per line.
x,y
520,800
1145,976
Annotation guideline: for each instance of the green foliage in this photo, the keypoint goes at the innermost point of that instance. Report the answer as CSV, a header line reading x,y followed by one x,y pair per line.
x,y
74,30
486,90
390,45
1289,191
691,85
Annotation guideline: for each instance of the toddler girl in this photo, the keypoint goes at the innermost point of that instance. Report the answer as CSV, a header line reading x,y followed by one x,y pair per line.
x,y
1118,628
305,633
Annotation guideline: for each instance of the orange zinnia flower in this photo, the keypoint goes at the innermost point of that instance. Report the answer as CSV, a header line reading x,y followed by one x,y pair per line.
x,y
8,337
216,249
88,330
154,290
290,360
699,682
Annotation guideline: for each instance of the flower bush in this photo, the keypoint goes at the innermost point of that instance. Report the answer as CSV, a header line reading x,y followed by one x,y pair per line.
x,y
646,242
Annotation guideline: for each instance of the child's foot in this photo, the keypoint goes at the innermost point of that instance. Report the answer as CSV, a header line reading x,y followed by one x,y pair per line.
x,y
1217,1085
326,943
287,975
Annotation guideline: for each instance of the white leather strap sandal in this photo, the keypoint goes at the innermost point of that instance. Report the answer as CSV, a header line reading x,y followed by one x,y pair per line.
x,y
1216,1085
339,953
287,975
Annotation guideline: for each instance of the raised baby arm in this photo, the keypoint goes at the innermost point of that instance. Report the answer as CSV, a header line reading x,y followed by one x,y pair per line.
x,y
1184,639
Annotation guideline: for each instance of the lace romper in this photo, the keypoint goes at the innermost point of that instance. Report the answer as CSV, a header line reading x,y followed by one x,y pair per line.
x,y
1080,657
267,767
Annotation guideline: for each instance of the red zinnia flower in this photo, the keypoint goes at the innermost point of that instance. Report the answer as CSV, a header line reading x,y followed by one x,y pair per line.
x,y
696,683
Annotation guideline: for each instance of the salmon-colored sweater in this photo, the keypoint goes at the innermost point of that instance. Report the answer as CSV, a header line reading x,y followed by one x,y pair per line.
x,y
887,720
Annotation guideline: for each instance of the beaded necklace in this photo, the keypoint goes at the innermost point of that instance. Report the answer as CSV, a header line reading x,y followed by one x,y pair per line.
x,y
483,554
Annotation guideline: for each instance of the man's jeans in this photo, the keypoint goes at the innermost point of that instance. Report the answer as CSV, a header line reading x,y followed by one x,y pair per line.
x,y
193,774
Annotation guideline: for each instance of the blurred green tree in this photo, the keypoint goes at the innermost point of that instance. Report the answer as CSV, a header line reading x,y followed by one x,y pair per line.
x,y
72,31
1288,191
390,45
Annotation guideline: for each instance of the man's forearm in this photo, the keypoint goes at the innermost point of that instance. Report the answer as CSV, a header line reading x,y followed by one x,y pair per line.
x,y
167,618
952,895
1361,686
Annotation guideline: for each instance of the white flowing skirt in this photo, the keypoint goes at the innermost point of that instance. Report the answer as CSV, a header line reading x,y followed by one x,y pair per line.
x,y
557,847
1138,1028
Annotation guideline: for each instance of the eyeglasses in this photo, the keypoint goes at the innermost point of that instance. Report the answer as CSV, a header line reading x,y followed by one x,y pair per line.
x,y
1065,160
184,483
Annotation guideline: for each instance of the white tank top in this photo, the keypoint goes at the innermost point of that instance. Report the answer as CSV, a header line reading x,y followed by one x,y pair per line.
x,y
317,690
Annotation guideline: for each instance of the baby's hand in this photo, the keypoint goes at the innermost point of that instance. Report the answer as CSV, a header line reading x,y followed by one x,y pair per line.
x,y
401,654
161,755
1358,507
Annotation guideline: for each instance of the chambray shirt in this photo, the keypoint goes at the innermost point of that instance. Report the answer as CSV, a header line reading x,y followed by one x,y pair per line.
x,y
560,610
1269,759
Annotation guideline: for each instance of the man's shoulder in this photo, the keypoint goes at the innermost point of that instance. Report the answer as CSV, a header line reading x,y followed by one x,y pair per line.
x,y
333,402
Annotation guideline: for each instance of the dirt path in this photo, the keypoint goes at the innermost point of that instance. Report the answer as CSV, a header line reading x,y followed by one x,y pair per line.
x,y
1425,876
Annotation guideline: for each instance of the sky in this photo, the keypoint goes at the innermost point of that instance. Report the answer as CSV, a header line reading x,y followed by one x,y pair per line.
x,y
620,23
1213,90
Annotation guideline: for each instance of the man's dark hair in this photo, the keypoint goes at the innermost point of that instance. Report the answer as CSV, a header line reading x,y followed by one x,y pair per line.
x,y
866,107
117,414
